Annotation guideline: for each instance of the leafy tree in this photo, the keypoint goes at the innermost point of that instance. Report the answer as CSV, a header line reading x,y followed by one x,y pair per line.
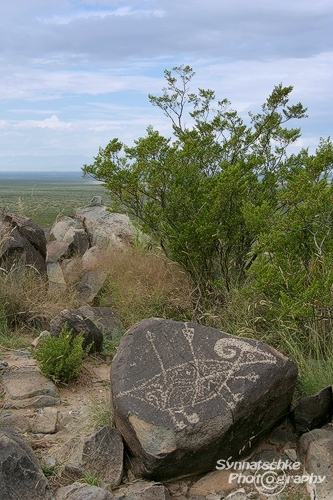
x,y
194,192
294,264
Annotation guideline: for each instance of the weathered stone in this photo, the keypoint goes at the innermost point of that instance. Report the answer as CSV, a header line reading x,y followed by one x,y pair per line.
x,y
92,258
90,284
28,229
56,250
313,412
78,323
20,474
16,250
34,402
55,276
45,421
103,455
105,318
185,395
106,229
27,382
144,490
72,231
213,483
15,421
237,495
79,491
316,454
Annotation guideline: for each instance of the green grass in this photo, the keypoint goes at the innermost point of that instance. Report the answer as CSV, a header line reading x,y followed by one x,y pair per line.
x,y
43,199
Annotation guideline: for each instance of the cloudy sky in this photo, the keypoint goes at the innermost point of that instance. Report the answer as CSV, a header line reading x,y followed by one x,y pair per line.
x,y
76,73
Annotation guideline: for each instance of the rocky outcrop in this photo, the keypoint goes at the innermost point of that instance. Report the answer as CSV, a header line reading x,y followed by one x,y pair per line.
x,y
20,472
105,229
78,323
185,395
22,243
71,233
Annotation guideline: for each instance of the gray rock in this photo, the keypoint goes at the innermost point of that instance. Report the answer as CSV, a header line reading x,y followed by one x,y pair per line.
x,y
14,421
22,352
105,318
106,229
79,491
45,421
78,323
56,250
16,249
92,258
55,276
26,383
3,365
313,412
20,474
185,395
33,402
28,229
144,490
316,453
103,455
71,231
90,284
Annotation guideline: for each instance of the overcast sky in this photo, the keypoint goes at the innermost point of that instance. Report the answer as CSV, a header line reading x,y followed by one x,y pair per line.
x,y
76,73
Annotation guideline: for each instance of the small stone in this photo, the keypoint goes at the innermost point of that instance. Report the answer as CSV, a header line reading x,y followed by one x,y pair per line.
x,y
45,421
3,365
291,454
22,352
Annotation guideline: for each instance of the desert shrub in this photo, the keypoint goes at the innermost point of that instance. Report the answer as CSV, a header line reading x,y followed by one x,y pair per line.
x,y
61,358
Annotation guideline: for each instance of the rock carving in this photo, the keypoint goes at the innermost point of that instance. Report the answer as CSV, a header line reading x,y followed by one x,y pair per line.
x,y
179,389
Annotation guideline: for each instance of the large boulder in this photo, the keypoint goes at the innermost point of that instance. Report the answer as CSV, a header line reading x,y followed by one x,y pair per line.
x,y
23,243
185,395
105,229
20,472
78,323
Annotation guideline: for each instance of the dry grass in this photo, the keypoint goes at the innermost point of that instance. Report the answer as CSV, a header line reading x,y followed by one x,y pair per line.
x,y
141,285
28,301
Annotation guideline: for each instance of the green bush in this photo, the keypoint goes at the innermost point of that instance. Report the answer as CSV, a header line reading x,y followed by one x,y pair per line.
x,y
61,358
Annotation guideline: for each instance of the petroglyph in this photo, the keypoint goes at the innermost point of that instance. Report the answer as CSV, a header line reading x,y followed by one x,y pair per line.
x,y
180,390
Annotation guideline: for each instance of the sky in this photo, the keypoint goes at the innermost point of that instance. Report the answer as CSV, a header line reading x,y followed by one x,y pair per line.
x,y
77,73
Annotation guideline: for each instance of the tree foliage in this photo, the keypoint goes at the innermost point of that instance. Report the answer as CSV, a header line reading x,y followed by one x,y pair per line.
x,y
221,196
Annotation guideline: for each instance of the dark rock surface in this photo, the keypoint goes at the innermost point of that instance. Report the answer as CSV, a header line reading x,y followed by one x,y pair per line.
x,y
23,243
103,455
78,323
105,318
314,411
20,474
185,395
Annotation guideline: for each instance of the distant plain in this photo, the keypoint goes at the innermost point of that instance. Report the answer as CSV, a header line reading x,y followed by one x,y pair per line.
x,y
45,196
